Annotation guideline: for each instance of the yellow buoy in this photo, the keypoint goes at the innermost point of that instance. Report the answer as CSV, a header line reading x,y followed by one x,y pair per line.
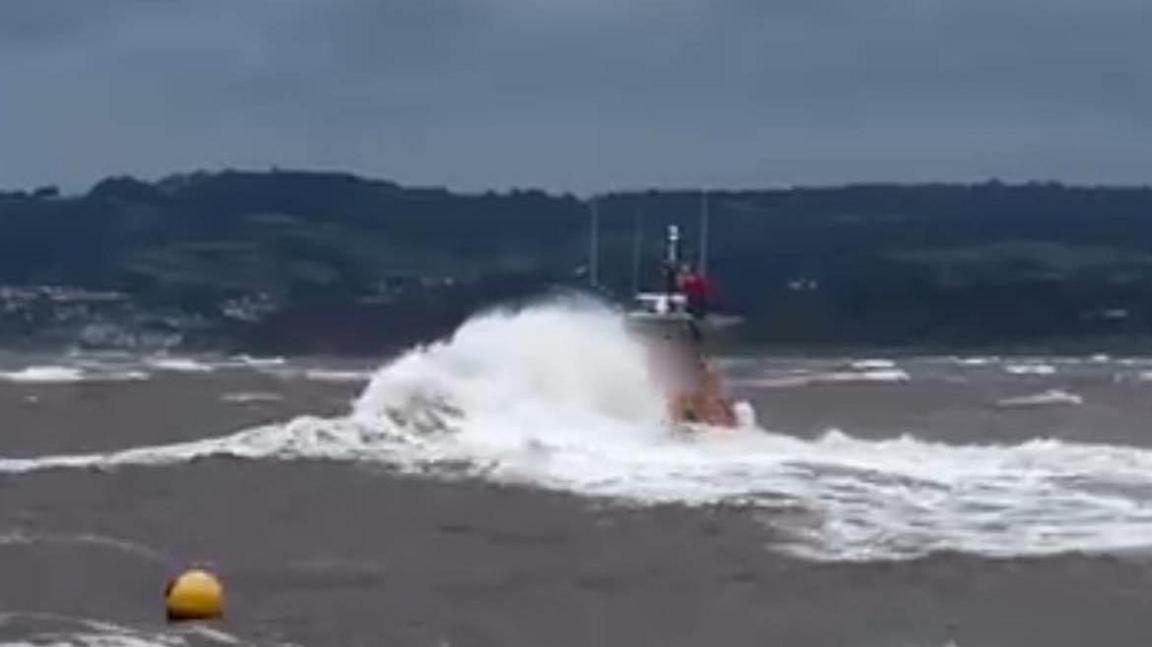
x,y
194,595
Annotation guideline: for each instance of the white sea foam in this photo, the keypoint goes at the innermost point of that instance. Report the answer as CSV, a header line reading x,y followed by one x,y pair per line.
x,y
558,397
1030,369
873,376
773,382
871,364
52,630
333,375
258,362
975,361
1049,397
248,397
179,365
882,375
44,375
68,375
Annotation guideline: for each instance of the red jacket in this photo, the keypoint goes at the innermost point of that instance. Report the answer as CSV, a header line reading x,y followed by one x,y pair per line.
x,y
694,286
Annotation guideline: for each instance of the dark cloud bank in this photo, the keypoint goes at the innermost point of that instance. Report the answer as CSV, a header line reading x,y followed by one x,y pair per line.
x,y
579,94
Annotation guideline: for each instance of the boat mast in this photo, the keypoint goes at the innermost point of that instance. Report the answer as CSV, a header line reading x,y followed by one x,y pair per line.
x,y
637,250
672,259
594,245
703,255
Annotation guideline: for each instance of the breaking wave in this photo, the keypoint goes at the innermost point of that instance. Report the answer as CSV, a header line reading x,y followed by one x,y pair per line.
x,y
179,365
1047,398
68,375
1030,369
558,396
44,375
868,376
873,364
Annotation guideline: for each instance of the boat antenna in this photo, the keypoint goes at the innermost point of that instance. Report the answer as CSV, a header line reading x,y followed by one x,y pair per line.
x,y
672,258
703,255
594,245
637,249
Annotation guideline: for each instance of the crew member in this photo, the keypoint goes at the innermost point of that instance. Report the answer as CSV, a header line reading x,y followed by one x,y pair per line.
x,y
695,288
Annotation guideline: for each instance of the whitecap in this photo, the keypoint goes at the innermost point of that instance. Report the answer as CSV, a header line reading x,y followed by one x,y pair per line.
x,y
559,398
975,361
179,365
44,375
68,375
1030,369
259,362
873,376
870,364
250,397
1049,397
331,375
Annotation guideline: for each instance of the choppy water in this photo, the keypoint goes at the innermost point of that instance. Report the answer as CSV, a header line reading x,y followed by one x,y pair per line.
x,y
855,461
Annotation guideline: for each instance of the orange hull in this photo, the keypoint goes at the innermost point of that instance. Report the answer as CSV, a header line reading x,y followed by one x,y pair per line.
x,y
693,389
704,406
713,414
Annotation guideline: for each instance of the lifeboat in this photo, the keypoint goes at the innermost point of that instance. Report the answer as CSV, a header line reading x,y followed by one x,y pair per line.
x,y
673,332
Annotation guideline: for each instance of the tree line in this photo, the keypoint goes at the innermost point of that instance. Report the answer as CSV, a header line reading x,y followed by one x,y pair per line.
x,y
347,260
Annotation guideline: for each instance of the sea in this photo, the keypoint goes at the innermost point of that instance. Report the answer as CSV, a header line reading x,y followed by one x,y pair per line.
x,y
515,484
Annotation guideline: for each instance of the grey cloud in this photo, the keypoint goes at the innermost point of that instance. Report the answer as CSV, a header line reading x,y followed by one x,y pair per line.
x,y
579,94
48,21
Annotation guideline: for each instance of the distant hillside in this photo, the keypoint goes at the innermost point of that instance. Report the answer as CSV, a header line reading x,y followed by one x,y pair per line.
x,y
298,261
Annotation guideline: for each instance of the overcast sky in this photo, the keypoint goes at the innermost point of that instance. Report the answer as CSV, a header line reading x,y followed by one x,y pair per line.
x,y
579,94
